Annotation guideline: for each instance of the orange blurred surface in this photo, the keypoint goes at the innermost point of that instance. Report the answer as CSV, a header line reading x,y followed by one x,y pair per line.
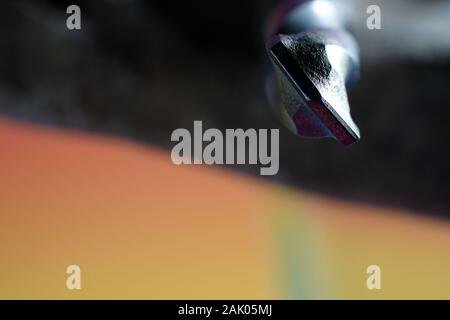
x,y
141,227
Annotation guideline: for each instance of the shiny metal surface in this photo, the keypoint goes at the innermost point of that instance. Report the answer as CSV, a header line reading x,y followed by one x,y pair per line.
x,y
314,65
311,72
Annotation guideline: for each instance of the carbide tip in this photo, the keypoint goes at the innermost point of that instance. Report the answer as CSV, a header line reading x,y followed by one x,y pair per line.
x,y
311,72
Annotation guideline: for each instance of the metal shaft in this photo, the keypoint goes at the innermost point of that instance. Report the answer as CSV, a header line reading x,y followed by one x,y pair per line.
x,y
315,61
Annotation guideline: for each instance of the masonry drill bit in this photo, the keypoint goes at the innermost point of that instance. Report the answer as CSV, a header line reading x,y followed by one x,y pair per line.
x,y
315,61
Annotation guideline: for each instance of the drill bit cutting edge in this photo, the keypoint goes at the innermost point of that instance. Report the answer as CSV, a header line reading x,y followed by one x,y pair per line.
x,y
315,61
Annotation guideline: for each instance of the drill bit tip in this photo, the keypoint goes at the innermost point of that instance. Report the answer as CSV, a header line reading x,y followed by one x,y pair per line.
x,y
311,72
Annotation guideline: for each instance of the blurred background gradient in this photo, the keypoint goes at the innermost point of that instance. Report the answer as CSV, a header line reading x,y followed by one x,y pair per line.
x,y
86,176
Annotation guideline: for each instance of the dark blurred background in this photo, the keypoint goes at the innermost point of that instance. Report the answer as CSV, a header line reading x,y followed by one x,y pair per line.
x,y
141,69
